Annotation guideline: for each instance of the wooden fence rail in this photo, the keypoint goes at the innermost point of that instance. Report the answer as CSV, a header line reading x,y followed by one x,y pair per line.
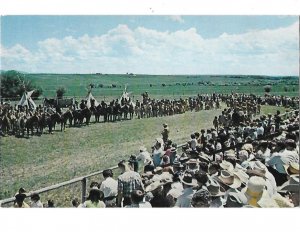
x,y
83,179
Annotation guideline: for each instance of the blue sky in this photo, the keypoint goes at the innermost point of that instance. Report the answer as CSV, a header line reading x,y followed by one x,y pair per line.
x,y
151,44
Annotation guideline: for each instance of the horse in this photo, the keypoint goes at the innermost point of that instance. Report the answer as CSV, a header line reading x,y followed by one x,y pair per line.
x,y
125,111
55,118
131,111
80,115
65,117
5,124
31,123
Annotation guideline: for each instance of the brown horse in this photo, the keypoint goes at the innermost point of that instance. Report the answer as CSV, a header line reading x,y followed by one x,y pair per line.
x,y
64,118
31,123
5,124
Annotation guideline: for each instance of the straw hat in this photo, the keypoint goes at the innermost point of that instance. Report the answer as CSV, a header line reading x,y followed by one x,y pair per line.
x,y
226,165
229,179
154,185
192,161
187,179
230,153
292,168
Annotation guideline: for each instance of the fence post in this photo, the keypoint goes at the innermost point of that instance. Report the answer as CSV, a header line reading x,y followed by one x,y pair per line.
x,y
83,190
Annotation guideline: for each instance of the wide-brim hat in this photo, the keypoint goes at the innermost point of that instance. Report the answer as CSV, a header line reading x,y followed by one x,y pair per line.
x,y
154,185
215,189
292,185
158,169
243,176
192,161
292,168
236,200
187,179
204,157
226,165
229,179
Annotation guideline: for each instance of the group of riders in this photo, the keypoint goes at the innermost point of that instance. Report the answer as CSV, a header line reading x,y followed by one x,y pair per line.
x,y
18,120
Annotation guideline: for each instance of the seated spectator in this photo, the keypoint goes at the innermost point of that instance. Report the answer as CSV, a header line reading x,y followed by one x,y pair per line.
x,y
201,199
19,202
50,204
95,199
137,198
75,203
35,201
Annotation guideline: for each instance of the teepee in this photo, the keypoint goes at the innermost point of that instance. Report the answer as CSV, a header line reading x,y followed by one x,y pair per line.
x,y
90,97
26,100
126,96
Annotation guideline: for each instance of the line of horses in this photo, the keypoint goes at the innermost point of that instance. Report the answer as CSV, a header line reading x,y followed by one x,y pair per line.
x,y
23,122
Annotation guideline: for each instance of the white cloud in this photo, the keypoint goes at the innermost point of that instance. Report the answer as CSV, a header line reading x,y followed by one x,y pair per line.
x,y
176,18
143,50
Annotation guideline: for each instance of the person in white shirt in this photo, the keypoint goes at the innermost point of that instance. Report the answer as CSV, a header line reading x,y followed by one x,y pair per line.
x,y
193,142
260,130
144,157
109,187
35,201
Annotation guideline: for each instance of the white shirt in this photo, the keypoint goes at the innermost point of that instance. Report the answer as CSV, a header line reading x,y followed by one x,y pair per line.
x,y
184,200
194,143
260,131
109,187
37,204
144,157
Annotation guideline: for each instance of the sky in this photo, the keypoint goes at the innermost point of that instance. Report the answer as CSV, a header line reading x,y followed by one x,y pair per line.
x,y
245,45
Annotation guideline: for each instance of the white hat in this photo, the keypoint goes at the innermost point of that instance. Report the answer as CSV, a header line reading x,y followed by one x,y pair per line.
x,y
229,179
153,186
226,165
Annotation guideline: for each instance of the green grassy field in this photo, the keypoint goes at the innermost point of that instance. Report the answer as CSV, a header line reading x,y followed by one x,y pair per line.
x,y
76,84
49,159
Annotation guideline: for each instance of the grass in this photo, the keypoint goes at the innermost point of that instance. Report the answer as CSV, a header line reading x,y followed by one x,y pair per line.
x,y
76,84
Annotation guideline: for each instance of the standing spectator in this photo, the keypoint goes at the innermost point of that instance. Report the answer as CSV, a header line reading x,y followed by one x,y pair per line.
x,y
144,156
109,187
128,181
165,132
216,123
188,182
158,152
